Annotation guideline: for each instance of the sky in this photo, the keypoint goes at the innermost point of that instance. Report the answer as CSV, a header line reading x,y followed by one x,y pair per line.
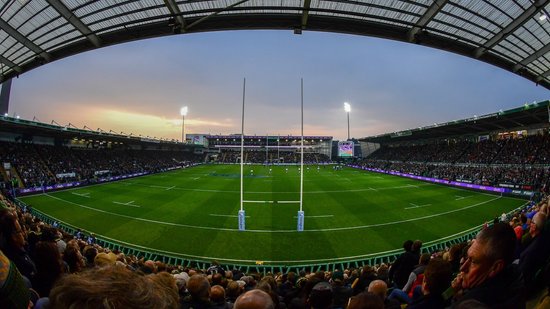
x,y
139,87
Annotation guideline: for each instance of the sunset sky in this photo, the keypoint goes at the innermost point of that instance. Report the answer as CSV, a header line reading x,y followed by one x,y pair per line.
x,y
139,87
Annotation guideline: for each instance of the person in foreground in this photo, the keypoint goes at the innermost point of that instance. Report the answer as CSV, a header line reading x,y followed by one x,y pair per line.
x,y
488,275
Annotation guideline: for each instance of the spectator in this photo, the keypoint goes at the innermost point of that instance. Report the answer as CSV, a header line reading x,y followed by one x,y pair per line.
x,y
538,251
254,299
217,297
365,300
12,243
320,296
341,293
437,278
111,287
488,275
380,288
199,293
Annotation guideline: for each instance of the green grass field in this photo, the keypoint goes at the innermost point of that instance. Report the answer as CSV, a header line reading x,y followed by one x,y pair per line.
x,y
349,214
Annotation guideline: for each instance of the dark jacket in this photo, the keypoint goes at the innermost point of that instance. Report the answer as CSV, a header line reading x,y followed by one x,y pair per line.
x,y
504,291
428,302
402,268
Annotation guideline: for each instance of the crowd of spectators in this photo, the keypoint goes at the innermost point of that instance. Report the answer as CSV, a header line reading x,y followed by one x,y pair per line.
x,y
271,156
521,163
45,267
35,165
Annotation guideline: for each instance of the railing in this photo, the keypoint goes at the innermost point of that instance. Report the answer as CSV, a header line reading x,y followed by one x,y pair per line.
x,y
151,254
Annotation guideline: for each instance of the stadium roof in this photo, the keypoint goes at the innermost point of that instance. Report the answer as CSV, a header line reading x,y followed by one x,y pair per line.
x,y
511,34
534,115
69,132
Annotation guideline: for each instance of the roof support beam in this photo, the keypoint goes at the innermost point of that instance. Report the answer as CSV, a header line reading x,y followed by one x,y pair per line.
x,y
176,12
543,76
305,14
64,11
534,56
10,64
23,40
511,27
216,13
426,18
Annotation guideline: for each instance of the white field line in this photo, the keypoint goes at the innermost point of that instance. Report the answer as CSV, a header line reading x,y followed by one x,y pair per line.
x,y
87,195
130,203
458,197
172,187
277,231
417,206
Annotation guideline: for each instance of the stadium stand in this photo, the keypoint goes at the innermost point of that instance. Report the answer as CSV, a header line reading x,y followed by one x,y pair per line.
x,y
288,289
49,262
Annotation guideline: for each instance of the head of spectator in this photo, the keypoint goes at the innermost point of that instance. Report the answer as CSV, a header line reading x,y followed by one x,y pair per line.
x,y
228,275
365,300
416,246
105,259
74,258
378,287
407,245
12,236
491,251
89,253
537,224
488,275
49,266
159,266
321,296
254,299
233,290
337,277
217,294
149,267
199,288
167,282
181,281
437,277
111,287
217,279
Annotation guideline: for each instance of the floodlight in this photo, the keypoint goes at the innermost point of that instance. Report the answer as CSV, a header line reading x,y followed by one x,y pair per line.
x,y
347,107
542,17
183,111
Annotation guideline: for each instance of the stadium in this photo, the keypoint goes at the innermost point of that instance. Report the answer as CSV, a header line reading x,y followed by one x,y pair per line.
x,y
262,206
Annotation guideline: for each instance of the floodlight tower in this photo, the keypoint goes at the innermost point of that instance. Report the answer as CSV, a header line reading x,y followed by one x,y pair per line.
x,y
183,112
347,108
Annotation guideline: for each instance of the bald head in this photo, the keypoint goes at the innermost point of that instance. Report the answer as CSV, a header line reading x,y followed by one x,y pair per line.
x,y
254,299
378,287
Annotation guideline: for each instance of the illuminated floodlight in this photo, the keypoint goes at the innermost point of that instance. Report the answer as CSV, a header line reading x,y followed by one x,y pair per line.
x,y
347,107
543,17
183,111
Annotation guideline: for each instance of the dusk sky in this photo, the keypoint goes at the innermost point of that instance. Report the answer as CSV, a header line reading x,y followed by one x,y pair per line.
x,y
139,87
